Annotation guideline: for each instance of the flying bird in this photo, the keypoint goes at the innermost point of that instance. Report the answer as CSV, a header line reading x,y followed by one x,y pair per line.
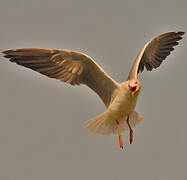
x,y
77,68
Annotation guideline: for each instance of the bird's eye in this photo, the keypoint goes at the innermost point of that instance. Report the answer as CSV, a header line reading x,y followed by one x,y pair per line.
x,y
133,89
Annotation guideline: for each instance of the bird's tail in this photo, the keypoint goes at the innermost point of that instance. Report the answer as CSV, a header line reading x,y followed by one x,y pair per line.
x,y
104,124
101,124
134,119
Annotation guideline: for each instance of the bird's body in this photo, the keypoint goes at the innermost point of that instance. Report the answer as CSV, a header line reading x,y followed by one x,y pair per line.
x,y
124,103
77,68
121,107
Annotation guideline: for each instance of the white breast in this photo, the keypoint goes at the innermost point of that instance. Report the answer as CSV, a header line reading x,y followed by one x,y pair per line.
x,y
123,104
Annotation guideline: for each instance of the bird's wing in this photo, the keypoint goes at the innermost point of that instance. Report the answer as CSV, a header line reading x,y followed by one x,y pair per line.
x,y
68,66
154,52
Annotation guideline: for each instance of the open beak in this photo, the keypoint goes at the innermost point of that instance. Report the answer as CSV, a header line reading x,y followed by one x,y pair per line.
x,y
133,90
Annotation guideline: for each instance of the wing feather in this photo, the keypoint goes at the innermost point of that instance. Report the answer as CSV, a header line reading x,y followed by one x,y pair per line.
x,y
67,66
155,52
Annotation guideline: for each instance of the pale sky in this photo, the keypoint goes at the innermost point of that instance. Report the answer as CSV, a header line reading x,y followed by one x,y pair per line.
x,y
42,132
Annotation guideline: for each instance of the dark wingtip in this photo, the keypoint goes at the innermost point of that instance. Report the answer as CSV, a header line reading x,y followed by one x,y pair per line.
x,y
7,56
6,51
180,33
9,52
3,52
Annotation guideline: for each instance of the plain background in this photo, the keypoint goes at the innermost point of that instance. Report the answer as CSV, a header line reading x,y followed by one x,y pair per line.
x,y
42,132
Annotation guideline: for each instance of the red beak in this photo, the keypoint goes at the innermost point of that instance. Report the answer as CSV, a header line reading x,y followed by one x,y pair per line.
x,y
133,90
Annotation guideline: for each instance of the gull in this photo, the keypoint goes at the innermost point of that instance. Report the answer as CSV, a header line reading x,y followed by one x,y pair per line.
x,y
78,68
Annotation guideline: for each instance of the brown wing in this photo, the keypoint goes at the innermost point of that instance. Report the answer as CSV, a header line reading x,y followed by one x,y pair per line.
x,y
155,52
68,66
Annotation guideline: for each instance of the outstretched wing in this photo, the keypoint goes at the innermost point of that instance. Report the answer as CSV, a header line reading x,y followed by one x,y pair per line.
x,y
155,52
68,66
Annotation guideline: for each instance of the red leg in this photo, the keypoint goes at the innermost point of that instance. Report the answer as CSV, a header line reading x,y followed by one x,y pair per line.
x,y
120,137
131,131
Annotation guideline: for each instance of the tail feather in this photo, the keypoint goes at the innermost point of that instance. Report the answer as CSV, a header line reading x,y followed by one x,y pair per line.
x,y
134,119
99,124
103,124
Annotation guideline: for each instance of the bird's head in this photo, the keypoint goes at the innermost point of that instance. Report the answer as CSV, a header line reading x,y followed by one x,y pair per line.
x,y
134,87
